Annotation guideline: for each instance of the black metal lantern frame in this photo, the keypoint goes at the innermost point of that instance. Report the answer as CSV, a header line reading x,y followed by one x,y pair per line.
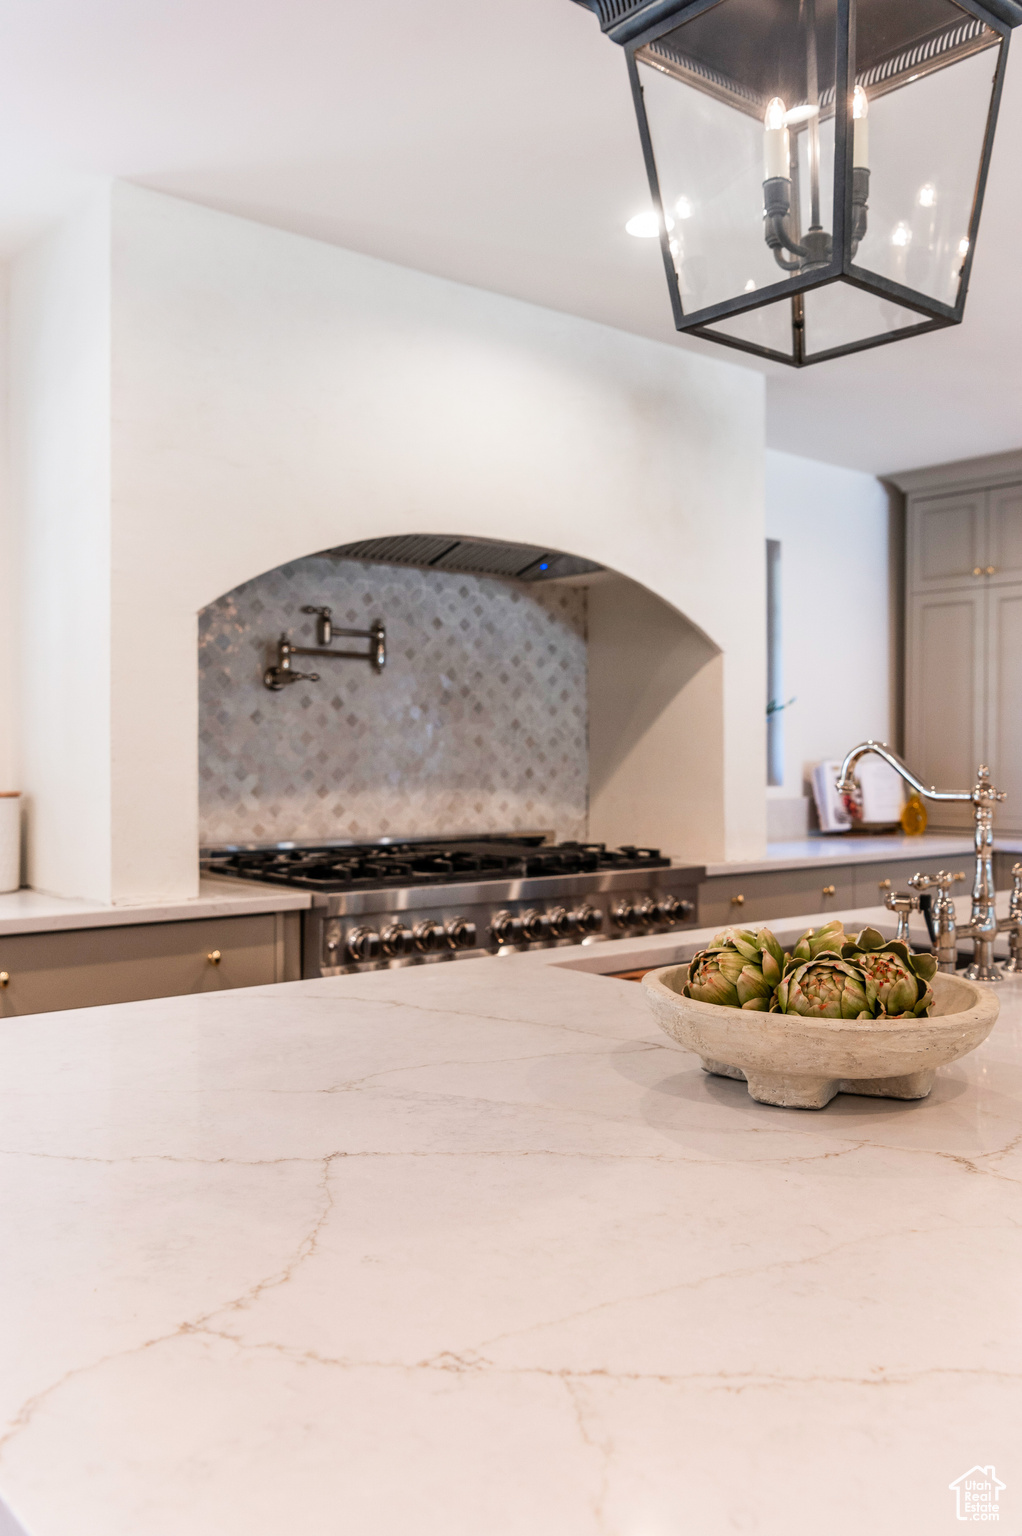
x,y
729,62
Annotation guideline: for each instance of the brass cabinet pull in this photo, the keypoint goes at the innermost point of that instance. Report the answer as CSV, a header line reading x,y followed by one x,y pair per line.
x,y
5,977
738,901
213,957
883,885
991,569
830,890
977,570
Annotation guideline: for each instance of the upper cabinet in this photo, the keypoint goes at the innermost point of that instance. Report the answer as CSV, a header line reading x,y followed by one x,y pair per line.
x,y
1003,561
947,543
959,539
963,651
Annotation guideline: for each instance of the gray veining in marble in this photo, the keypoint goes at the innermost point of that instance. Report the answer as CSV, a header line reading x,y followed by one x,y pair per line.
x,y
475,1250
479,722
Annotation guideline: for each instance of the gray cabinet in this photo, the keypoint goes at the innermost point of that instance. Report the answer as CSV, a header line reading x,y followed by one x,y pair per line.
x,y
873,881
946,542
1003,697
749,899
84,967
744,900
963,650
945,722
1004,534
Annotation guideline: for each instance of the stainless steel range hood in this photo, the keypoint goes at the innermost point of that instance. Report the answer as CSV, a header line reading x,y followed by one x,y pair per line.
x,y
479,557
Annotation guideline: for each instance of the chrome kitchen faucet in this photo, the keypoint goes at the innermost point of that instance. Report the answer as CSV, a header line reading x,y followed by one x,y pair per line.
x,y
983,926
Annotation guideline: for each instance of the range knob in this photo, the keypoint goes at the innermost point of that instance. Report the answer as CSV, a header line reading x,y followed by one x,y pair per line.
x,y
587,919
363,944
506,928
396,940
668,909
561,923
535,925
646,913
624,915
429,937
461,934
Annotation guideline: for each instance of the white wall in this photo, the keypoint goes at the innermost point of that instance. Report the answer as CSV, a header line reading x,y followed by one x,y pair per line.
x,y
60,462
834,528
272,396
656,725
10,766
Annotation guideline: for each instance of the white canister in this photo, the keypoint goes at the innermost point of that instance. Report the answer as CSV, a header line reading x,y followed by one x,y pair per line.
x,y
10,841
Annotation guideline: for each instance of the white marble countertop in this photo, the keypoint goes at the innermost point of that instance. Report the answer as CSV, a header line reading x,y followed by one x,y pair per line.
x,y
847,848
474,1250
28,911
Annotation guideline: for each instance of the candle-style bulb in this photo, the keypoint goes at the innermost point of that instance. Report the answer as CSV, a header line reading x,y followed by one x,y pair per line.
x,y
775,142
860,129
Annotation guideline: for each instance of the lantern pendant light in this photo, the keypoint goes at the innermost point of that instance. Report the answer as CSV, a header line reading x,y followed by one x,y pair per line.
x,y
817,167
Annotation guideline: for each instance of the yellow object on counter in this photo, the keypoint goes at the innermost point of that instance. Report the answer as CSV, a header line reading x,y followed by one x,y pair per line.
x,y
913,817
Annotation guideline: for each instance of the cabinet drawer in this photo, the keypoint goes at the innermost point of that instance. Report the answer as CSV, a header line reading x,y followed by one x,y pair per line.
x,y
90,966
773,893
873,881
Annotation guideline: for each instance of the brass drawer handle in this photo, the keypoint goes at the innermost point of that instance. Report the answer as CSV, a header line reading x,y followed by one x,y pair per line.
x,y
213,957
738,901
991,569
5,977
883,885
977,570
830,890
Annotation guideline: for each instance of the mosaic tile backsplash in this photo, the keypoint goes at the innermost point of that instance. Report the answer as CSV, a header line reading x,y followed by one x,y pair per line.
x,y
477,724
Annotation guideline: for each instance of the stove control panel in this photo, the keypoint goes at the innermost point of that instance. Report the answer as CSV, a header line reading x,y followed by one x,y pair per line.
x,y
388,938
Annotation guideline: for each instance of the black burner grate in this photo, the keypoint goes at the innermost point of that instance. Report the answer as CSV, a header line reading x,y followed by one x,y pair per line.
x,y
371,867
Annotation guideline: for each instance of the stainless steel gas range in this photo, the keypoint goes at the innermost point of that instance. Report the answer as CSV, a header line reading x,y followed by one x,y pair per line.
x,y
401,903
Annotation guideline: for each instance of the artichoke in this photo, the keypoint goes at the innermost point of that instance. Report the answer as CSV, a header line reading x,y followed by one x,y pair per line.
x,y
900,977
827,988
740,969
828,940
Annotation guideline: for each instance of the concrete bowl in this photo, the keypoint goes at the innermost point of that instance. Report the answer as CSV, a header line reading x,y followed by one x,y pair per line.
x,y
802,1063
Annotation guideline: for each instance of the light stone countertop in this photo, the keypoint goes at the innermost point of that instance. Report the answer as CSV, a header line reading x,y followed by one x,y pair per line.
x,y
474,1250
847,848
28,911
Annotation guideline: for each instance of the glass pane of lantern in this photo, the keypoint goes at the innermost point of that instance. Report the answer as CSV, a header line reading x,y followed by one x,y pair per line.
x,y
926,68
739,96
839,314
768,327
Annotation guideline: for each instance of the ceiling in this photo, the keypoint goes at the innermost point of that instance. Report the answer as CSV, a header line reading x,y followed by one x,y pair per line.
x,y
490,143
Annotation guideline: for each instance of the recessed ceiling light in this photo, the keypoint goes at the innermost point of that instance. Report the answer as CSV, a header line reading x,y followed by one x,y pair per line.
x,y
683,208
927,196
902,235
646,226
963,246
750,286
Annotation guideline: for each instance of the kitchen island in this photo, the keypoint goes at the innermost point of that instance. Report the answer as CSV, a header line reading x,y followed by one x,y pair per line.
x,y
473,1250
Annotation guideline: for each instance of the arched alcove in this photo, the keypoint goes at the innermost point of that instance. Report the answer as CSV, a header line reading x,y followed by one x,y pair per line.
x,y
526,689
